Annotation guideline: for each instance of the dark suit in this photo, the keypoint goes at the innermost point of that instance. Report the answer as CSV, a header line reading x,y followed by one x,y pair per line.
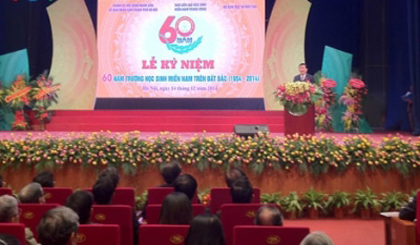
x,y
308,77
409,212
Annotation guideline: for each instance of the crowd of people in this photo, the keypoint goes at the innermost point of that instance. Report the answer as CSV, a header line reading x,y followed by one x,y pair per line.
x,y
59,226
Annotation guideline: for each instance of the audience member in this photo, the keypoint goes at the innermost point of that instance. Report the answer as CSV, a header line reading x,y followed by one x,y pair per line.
x,y
9,213
409,211
233,174
103,191
81,203
317,238
2,183
112,174
6,239
176,210
170,172
45,179
186,184
269,215
205,229
58,226
242,191
32,193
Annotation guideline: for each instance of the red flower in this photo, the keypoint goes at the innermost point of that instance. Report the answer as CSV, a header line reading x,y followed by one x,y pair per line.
x,y
329,83
357,83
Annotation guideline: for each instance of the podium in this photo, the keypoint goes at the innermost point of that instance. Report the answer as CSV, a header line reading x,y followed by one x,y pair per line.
x,y
301,125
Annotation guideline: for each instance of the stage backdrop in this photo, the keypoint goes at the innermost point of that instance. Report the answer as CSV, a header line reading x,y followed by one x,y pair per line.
x,y
74,63
284,46
172,49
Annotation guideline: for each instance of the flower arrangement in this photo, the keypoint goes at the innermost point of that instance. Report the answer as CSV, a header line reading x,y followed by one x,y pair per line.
x,y
352,99
323,118
43,95
39,94
296,97
131,152
16,97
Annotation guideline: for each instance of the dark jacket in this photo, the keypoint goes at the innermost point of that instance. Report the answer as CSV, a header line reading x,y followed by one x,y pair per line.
x,y
409,212
308,77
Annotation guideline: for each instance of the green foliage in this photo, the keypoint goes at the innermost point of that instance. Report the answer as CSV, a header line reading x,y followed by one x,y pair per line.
x,y
338,199
393,200
271,198
365,199
131,153
141,201
292,204
314,199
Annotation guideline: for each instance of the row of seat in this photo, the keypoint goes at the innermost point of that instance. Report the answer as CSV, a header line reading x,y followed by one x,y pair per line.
x,y
231,215
173,234
126,196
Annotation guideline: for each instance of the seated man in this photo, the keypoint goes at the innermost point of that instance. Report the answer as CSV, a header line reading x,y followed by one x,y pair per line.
x,y
32,193
169,172
186,184
81,203
409,212
9,213
242,191
268,215
112,174
317,238
45,179
103,191
233,174
58,226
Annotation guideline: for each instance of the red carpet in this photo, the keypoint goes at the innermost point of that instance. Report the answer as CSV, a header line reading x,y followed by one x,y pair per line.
x,y
158,121
346,232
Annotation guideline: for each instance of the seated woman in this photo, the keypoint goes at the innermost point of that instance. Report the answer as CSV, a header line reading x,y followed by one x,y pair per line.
x,y
9,213
176,210
268,215
205,229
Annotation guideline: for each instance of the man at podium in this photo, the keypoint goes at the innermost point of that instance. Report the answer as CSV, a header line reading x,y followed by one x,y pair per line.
x,y
303,75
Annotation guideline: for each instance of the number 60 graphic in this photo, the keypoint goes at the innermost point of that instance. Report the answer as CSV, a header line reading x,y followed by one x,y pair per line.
x,y
166,28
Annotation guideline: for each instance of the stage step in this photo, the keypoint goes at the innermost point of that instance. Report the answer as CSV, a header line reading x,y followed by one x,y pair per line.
x,y
157,121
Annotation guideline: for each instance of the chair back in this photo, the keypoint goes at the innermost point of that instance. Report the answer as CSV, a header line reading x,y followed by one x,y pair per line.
x,y
57,194
153,212
237,214
121,215
268,235
6,191
32,214
156,195
14,229
163,234
99,235
221,195
418,218
122,196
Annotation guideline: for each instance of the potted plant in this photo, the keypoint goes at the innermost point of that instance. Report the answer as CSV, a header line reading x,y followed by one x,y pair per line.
x,y
393,201
365,202
338,202
291,205
314,201
271,198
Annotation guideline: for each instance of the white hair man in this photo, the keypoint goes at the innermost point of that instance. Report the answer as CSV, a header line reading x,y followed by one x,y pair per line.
x,y
9,213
